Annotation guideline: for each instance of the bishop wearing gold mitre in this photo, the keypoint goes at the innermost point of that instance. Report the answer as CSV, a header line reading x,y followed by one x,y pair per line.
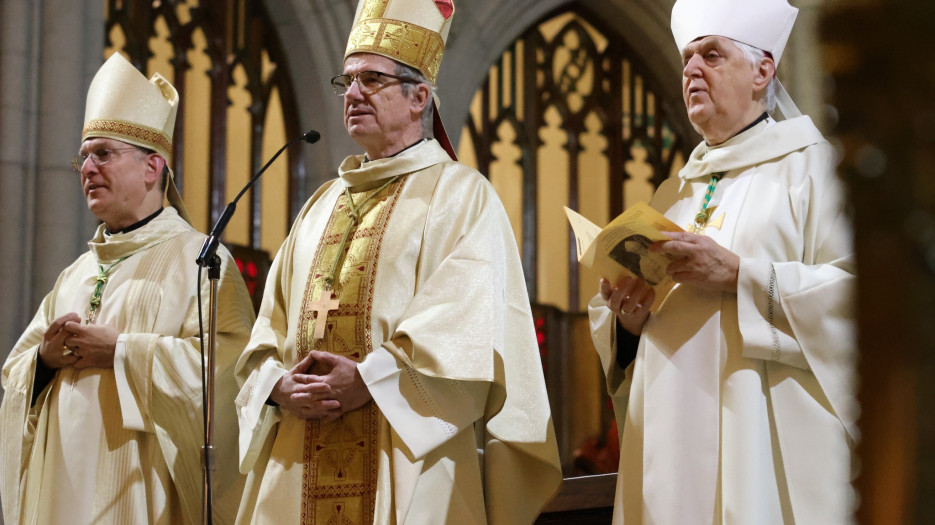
x,y
393,374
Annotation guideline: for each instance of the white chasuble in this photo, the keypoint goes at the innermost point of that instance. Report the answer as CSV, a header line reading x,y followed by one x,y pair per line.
x,y
739,408
432,301
123,444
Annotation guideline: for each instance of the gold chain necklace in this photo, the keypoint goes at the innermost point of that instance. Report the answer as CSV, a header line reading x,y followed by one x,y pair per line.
x,y
101,279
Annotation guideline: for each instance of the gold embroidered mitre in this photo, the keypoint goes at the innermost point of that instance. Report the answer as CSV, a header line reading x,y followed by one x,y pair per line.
x,y
123,105
413,32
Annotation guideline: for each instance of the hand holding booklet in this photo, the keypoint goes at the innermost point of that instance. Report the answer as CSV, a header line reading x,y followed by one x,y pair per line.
x,y
622,247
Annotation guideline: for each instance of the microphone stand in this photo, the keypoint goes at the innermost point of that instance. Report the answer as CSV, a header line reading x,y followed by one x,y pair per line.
x,y
209,259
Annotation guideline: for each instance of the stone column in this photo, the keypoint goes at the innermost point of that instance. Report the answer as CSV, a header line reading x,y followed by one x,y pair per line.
x,y
50,51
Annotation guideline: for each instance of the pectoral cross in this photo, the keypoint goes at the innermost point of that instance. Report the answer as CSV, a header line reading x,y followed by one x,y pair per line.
x,y
99,282
325,303
717,222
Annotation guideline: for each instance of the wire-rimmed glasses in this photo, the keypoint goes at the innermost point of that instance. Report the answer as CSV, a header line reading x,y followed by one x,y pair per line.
x,y
99,157
367,81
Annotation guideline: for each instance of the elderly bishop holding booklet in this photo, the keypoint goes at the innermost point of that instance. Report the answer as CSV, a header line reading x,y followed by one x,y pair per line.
x,y
102,408
393,374
735,399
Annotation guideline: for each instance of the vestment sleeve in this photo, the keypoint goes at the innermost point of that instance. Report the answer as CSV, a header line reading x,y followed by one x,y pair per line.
x,y
159,378
425,411
262,364
799,312
466,337
20,407
604,329
447,337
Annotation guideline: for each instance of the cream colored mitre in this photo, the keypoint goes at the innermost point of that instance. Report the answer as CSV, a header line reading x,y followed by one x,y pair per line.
x,y
413,32
123,105
763,24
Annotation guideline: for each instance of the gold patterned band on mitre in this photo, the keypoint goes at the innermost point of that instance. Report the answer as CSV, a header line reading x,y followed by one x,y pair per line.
x,y
137,134
404,42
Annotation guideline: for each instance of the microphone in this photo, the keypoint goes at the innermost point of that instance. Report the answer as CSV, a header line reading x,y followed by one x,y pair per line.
x,y
210,247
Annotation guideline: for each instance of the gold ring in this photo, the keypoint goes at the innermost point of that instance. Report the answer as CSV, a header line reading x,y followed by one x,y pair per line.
x,y
66,350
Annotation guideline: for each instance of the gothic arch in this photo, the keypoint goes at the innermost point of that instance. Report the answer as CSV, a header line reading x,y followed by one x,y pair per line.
x,y
571,115
487,27
314,34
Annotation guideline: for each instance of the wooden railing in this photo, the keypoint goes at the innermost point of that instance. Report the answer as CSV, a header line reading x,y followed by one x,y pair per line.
x,y
585,500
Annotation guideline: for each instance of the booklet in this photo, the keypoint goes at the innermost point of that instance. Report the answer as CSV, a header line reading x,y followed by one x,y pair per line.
x,y
622,247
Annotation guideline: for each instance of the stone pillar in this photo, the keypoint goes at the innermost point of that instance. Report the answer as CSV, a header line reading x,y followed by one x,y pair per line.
x,y
50,51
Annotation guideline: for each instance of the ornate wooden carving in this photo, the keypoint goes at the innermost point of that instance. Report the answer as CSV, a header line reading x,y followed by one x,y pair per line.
x,y
570,72
238,34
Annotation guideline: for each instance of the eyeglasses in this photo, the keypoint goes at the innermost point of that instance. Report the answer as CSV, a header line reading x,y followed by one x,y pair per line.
x,y
367,81
99,157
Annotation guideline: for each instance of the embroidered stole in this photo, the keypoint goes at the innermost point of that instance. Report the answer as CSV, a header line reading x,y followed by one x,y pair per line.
x,y
339,481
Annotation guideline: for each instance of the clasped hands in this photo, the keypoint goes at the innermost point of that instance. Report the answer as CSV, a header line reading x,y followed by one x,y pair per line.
x,y
321,386
697,260
68,342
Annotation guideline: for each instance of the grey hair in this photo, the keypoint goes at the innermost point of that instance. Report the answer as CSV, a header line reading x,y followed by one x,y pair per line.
x,y
754,56
412,73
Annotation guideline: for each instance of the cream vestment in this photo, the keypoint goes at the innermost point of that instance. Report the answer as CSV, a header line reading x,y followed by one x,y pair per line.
x,y
461,430
739,408
123,445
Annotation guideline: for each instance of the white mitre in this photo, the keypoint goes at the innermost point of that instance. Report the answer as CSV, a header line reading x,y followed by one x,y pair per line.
x,y
763,24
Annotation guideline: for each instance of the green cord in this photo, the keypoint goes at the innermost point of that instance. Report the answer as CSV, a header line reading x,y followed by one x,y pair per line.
x,y
702,216
101,279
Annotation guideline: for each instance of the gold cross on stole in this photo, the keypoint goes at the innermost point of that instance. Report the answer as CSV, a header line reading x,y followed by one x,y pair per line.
x,y
717,222
321,307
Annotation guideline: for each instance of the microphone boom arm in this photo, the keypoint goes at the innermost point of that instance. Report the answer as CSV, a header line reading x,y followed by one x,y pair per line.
x,y
208,259
210,246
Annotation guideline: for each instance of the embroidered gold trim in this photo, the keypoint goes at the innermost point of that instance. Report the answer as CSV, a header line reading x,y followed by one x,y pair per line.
x,y
373,9
408,43
136,132
339,479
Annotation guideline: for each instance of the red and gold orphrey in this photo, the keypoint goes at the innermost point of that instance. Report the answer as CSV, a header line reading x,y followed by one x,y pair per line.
x,y
339,480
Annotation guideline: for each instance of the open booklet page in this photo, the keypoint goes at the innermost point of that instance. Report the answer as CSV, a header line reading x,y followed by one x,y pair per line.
x,y
622,247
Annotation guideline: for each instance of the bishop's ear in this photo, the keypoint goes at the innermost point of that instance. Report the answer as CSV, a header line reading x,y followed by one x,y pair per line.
x,y
421,98
764,72
154,166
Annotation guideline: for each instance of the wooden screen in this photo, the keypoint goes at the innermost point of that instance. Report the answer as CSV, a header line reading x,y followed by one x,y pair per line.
x,y
236,107
569,116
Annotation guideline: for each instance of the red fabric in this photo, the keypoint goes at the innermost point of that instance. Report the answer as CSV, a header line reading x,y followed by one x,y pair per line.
x,y
438,129
446,8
